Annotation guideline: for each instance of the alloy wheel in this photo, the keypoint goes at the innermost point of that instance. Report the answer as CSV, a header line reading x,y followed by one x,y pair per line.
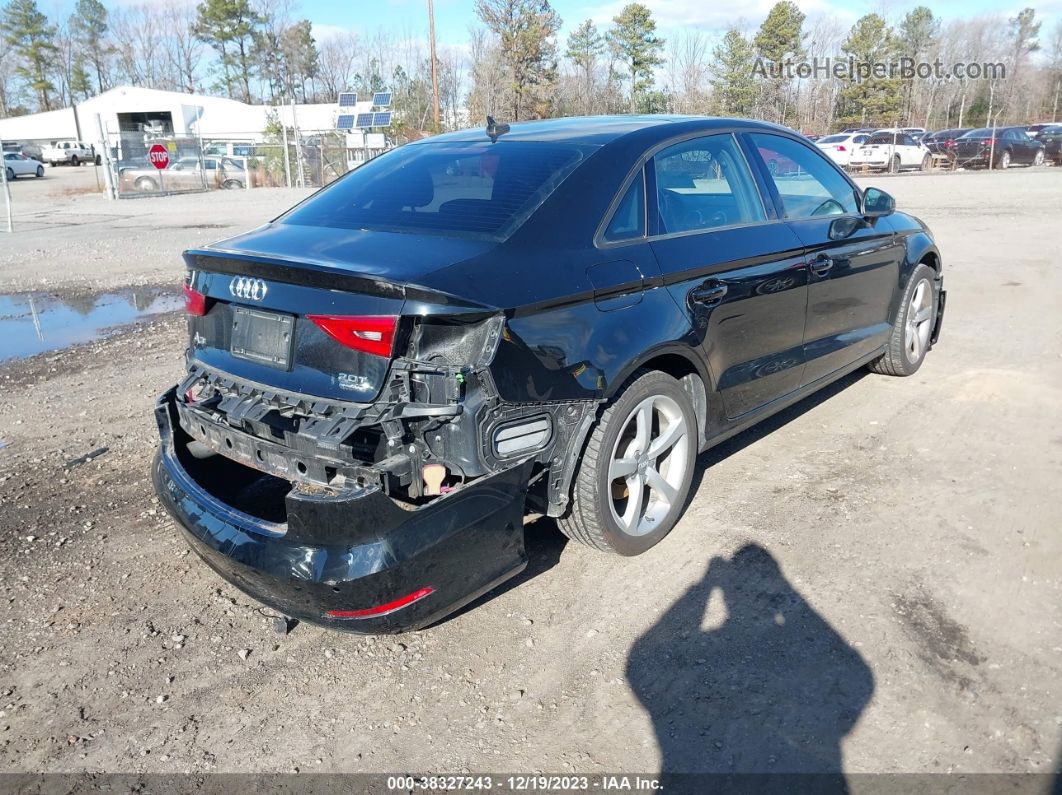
x,y
648,465
919,321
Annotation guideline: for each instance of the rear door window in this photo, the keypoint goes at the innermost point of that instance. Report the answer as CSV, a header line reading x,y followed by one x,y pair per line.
x,y
463,189
704,183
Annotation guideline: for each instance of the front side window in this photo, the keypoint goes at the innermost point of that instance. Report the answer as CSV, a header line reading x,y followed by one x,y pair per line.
x,y
704,184
809,186
628,222
460,188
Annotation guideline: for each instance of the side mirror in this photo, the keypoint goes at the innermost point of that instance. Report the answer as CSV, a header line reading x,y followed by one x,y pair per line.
x,y
877,203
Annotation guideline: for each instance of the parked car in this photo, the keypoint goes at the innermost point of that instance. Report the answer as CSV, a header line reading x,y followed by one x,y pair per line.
x,y
891,151
554,317
942,142
32,151
18,165
73,153
1051,138
1005,146
186,173
1034,130
839,147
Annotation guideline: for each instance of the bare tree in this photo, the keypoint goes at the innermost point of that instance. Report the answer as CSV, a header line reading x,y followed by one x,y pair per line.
x,y
184,51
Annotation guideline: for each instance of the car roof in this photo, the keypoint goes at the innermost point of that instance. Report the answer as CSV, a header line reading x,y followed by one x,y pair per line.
x,y
593,130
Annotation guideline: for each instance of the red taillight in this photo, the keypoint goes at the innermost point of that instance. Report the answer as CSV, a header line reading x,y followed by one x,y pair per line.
x,y
949,143
369,333
840,148
195,302
382,610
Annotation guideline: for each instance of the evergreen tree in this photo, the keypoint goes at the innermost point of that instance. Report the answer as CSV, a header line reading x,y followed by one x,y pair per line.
x,y
872,99
634,42
80,82
229,26
89,27
778,42
585,45
734,88
525,31
32,40
917,35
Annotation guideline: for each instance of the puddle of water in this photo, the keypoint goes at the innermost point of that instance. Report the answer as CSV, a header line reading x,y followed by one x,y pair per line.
x,y
32,323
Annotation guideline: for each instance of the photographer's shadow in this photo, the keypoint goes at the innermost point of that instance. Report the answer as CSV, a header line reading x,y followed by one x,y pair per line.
x,y
773,689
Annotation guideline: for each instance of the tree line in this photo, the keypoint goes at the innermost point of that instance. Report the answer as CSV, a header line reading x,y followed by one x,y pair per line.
x,y
516,65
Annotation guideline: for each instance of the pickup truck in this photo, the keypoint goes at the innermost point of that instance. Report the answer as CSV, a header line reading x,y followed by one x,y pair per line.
x,y
73,152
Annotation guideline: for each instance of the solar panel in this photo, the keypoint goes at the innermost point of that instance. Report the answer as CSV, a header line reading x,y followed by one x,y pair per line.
x,y
364,120
381,99
381,119
348,99
345,122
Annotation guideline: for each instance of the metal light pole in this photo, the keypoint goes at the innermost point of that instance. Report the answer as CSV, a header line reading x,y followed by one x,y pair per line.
x,y
7,190
434,69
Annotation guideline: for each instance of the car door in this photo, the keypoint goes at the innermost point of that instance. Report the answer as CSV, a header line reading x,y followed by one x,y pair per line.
x,y
731,265
1024,147
853,262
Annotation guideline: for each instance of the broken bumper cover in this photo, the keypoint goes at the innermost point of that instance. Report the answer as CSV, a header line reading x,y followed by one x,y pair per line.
x,y
338,556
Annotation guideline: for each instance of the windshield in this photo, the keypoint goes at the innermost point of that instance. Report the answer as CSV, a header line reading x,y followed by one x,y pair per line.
x,y
463,189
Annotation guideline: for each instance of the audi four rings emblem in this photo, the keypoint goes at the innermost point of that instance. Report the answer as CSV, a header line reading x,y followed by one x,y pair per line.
x,y
248,289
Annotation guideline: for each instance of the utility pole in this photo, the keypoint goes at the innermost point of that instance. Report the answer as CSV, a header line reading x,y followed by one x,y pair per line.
x,y
434,67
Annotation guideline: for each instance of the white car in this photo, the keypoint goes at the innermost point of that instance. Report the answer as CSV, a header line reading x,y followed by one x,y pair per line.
x,y
73,152
839,147
18,165
891,150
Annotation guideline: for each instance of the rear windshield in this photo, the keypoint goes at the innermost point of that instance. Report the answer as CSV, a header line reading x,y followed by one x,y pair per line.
x,y
886,138
984,132
463,189
832,139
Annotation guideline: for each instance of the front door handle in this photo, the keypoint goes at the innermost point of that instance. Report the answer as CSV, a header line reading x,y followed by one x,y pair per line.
x,y
709,294
821,265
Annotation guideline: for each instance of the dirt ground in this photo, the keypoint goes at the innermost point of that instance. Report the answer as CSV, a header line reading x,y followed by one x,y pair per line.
x,y
872,581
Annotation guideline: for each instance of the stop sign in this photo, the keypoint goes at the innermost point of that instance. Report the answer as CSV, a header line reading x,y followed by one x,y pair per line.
x,y
158,156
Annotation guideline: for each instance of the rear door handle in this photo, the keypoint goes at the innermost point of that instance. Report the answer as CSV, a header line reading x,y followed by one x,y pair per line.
x,y
821,265
709,294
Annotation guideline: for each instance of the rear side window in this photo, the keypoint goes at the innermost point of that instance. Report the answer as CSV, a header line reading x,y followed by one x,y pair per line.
x,y
704,183
628,222
464,189
808,184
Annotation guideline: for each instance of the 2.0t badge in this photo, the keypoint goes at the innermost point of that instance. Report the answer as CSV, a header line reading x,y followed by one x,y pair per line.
x,y
248,289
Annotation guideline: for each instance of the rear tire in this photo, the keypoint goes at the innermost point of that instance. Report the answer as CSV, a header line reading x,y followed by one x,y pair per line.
x,y
642,448
10,174
912,326
74,161
1039,159
1003,161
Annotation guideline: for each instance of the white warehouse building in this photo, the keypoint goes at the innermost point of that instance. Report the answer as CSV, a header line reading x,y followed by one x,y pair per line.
x,y
131,110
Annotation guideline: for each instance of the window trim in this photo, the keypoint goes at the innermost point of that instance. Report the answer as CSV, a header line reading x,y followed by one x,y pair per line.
x,y
776,197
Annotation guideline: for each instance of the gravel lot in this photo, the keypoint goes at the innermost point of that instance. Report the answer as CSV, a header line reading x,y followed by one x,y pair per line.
x,y
871,580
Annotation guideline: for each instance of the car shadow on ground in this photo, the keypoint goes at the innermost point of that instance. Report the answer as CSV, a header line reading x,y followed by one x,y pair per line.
x,y
544,541
768,688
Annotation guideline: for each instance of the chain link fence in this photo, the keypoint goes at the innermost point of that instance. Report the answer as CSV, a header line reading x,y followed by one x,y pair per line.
x,y
235,162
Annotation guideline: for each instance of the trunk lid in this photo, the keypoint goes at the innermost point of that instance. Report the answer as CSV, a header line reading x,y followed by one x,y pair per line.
x,y
270,319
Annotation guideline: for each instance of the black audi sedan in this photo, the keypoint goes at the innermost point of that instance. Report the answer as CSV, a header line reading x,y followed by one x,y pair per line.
x,y
555,317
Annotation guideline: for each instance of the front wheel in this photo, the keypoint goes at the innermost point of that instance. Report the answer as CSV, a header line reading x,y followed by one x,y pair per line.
x,y
926,163
74,161
40,171
912,327
633,479
894,165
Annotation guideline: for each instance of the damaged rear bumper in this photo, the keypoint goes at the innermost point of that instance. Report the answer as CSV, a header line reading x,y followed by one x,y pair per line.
x,y
353,560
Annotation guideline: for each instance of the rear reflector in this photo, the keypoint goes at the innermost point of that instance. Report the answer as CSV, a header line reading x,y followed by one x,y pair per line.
x,y
369,333
383,610
195,302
